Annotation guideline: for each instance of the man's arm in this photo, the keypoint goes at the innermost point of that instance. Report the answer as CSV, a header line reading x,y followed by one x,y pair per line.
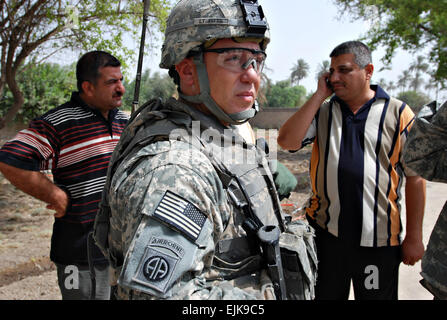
x,y
39,186
293,131
412,246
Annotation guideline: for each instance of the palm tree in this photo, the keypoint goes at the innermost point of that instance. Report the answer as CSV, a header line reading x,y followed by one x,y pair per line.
x,y
382,83
391,86
266,85
418,67
322,68
299,71
433,84
403,80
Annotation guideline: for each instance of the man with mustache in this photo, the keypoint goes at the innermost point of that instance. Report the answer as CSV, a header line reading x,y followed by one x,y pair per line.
x,y
189,204
356,173
75,141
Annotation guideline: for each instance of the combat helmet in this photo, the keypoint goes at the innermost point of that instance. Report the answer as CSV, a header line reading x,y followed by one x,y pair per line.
x,y
192,23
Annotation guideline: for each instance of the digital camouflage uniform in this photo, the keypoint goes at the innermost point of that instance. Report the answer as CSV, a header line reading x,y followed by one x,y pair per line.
x,y
216,260
426,153
187,200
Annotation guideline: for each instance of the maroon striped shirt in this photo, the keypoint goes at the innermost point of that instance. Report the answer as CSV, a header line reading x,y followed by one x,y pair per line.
x,y
75,142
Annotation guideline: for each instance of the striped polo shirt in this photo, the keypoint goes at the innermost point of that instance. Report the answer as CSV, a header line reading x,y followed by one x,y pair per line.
x,y
356,170
75,142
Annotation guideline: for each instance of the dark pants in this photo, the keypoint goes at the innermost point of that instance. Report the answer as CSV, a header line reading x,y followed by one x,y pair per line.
x,y
374,271
75,282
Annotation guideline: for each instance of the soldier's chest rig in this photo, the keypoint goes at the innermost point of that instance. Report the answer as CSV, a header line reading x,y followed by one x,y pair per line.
x,y
244,173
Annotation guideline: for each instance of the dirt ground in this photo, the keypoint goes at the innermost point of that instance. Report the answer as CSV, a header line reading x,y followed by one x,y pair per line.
x,y
26,272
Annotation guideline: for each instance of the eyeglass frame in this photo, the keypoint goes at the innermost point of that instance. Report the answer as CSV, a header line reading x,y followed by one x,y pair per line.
x,y
246,64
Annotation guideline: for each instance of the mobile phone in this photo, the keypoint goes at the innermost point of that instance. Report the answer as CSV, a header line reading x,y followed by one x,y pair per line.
x,y
328,83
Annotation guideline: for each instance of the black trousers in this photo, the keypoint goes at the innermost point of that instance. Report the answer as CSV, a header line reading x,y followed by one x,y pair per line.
x,y
75,282
374,271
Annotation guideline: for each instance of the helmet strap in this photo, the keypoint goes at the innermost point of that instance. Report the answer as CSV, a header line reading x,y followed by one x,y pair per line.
x,y
205,98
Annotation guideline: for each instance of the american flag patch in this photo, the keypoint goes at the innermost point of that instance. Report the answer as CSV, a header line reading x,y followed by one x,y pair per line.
x,y
181,215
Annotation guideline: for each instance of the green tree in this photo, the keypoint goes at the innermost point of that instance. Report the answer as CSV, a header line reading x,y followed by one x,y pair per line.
x,y
283,95
151,86
418,67
299,71
266,85
382,82
404,24
432,84
40,28
403,80
391,86
414,99
322,68
44,86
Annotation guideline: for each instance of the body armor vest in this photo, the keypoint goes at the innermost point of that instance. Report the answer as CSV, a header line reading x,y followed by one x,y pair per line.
x,y
242,169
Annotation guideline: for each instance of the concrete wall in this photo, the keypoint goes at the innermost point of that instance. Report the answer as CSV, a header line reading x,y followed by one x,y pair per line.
x,y
272,118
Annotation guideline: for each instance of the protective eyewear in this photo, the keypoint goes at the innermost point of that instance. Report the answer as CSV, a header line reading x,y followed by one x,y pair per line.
x,y
240,59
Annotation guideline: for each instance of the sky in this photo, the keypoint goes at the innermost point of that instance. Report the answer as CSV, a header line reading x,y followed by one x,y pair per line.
x,y
300,29
309,30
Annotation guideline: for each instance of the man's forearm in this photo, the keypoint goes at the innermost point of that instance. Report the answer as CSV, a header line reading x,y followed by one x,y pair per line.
x,y
412,246
415,205
36,184
293,131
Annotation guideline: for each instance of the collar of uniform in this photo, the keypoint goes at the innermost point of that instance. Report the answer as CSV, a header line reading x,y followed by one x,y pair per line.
x,y
206,121
76,99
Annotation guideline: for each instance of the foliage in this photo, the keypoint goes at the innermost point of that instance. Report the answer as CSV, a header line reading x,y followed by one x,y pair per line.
x,y
322,68
299,71
151,86
418,66
54,25
283,95
45,86
404,24
414,99
31,29
403,80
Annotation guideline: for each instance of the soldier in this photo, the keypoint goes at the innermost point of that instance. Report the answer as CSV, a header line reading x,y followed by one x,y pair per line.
x,y
426,153
190,209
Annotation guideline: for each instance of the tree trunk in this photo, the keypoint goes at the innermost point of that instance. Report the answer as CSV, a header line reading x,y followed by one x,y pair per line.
x,y
18,98
12,112
2,87
2,74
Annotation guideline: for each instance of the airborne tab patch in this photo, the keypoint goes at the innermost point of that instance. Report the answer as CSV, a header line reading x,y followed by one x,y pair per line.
x,y
181,215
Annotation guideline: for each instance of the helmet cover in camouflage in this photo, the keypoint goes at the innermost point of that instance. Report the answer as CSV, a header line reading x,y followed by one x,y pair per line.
x,y
194,22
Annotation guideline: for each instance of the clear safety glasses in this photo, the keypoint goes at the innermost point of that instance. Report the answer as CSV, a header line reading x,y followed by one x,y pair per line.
x,y
240,59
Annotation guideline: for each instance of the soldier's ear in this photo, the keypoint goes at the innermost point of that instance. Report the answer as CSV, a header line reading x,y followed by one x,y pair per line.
x,y
186,70
189,81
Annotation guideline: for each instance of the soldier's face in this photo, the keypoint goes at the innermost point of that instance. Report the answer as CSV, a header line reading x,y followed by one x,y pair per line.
x,y
233,91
